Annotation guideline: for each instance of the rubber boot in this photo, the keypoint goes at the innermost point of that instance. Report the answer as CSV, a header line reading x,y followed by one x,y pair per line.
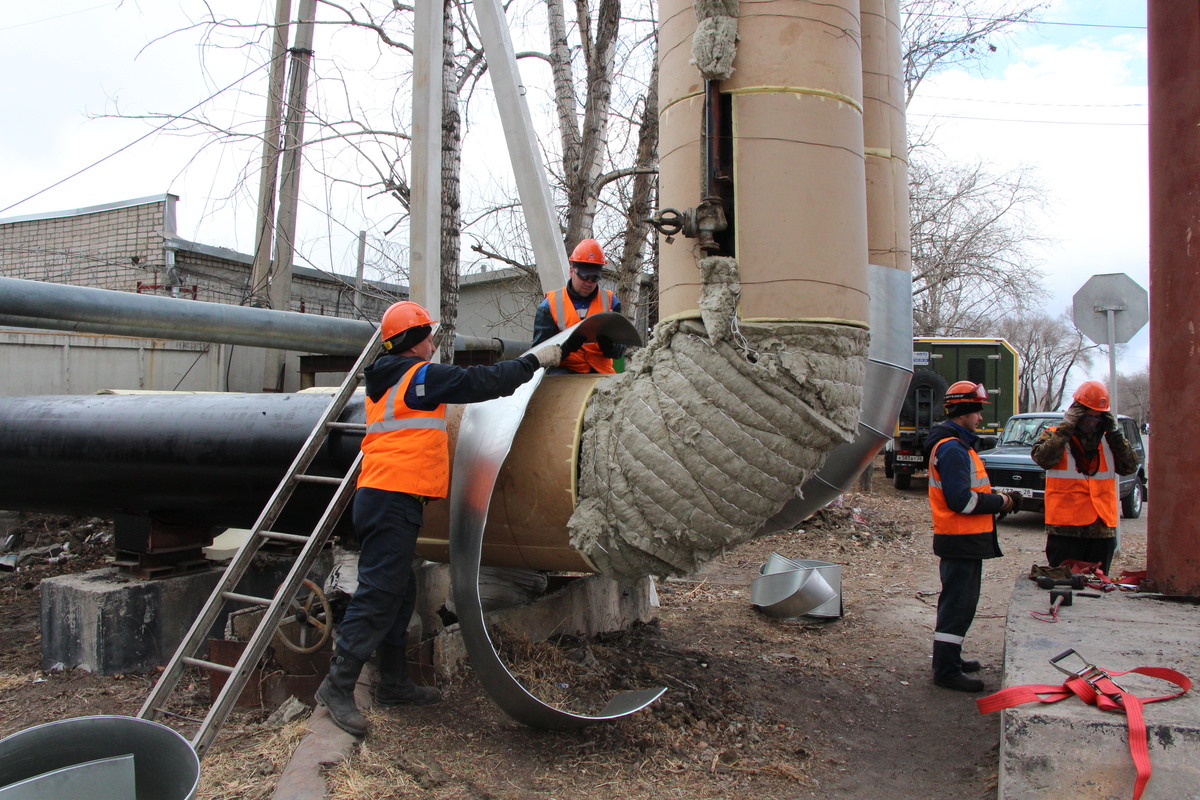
x,y
948,669
970,665
336,693
394,687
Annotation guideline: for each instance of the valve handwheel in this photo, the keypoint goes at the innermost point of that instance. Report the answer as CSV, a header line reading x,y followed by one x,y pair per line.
x,y
310,611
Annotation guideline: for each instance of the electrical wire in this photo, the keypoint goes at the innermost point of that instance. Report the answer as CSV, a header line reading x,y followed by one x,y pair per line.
x,y
142,138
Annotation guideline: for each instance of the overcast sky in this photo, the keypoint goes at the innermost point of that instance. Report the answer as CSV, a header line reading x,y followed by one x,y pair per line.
x,y
1067,100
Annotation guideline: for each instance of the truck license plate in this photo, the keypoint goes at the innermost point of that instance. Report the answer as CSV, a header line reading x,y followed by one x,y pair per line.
x,y
903,457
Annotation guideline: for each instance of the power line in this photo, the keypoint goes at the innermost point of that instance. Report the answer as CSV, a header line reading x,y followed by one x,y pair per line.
x,y
50,19
1023,103
1034,121
1038,22
145,136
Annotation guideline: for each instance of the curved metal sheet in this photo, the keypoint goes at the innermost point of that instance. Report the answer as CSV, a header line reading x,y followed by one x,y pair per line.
x,y
102,779
485,436
889,367
166,767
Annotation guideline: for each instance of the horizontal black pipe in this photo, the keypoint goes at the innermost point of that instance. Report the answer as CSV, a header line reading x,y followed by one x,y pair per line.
x,y
209,459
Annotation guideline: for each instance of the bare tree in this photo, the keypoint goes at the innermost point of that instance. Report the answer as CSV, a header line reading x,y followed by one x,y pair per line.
x,y
1048,349
1133,395
971,233
940,34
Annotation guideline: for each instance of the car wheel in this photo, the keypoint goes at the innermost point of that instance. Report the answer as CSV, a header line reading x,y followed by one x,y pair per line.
x,y
902,480
1131,504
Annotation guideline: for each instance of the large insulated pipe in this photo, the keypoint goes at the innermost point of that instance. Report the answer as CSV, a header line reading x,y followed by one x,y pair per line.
x,y
795,95
214,459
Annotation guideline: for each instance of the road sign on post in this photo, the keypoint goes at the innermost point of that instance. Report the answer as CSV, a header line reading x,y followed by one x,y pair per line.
x,y
1109,309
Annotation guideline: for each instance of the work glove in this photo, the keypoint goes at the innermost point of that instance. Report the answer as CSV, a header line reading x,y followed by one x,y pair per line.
x,y
573,343
608,348
1016,501
1108,421
1073,415
549,356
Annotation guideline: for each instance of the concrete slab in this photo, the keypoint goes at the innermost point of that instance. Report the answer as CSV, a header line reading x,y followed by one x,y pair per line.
x,y
1070,749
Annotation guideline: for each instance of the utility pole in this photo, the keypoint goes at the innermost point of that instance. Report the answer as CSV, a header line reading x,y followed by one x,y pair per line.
x,y
269,171
278,285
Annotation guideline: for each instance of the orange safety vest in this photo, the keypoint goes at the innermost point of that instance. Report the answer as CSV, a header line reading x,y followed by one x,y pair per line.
x,y
946,520
1073,498
587,358
404,449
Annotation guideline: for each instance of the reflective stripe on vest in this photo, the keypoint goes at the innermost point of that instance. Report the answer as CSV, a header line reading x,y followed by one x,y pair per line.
x,y
947,520
587,358
1073,498
405,449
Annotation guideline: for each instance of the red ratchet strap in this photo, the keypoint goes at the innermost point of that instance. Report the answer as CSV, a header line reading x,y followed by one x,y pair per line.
x,y
1095,687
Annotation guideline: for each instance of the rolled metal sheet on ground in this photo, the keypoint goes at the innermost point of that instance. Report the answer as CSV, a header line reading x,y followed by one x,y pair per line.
x,y
485,437
165,765
830,572
104,311
889,368
790,592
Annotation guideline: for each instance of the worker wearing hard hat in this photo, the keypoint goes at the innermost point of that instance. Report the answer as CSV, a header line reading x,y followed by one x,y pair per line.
x,y
964,529
406,464
580,298
1082,456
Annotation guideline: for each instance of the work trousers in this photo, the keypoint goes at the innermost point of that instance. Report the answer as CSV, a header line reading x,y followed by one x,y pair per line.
x,y
1062,548
961,582
387,525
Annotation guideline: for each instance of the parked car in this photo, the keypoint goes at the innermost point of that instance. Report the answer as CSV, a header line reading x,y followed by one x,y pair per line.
x,y
1009,465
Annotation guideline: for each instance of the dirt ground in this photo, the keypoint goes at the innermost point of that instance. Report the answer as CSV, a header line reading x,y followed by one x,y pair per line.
x,y
755,708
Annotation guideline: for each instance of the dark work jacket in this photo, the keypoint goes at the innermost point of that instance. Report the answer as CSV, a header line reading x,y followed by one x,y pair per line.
x,y
446,383
956,468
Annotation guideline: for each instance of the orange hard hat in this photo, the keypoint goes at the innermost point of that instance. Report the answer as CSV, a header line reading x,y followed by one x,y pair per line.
x,y
588,252
403,315
965,392
1093,395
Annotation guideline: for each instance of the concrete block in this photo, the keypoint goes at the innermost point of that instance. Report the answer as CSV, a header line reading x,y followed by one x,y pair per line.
x,y
1070,749
106,622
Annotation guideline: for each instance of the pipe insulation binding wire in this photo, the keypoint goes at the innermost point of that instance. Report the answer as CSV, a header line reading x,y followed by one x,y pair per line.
x,y
714,426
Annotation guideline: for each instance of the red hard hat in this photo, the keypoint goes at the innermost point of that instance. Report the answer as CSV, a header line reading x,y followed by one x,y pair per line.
x,y
965,392
588,252
401,316
1093,395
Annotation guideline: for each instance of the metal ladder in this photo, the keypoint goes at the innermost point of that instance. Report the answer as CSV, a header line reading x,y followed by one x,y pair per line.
x,y
238,675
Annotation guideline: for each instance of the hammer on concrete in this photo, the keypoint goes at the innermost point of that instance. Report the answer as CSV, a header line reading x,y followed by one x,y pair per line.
x,y
1075,582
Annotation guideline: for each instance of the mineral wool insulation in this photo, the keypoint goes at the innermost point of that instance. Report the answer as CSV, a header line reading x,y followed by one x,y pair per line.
x,y
709,432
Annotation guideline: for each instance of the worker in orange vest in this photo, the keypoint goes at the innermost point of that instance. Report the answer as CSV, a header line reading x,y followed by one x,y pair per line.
x,y
580,298
406,464
1082,456
964,529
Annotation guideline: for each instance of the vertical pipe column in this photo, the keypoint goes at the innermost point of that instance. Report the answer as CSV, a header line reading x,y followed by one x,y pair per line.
x,y
884,138
1173,542
799,175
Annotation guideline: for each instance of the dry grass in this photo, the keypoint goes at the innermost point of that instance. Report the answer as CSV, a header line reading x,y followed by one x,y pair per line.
x,y
246,765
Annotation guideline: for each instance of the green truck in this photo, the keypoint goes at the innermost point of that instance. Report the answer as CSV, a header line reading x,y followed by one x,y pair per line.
x,y
938,362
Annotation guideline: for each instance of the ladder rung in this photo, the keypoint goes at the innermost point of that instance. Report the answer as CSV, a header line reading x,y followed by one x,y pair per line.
x,y
200,662
283,537
246,598
319,479
347,426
